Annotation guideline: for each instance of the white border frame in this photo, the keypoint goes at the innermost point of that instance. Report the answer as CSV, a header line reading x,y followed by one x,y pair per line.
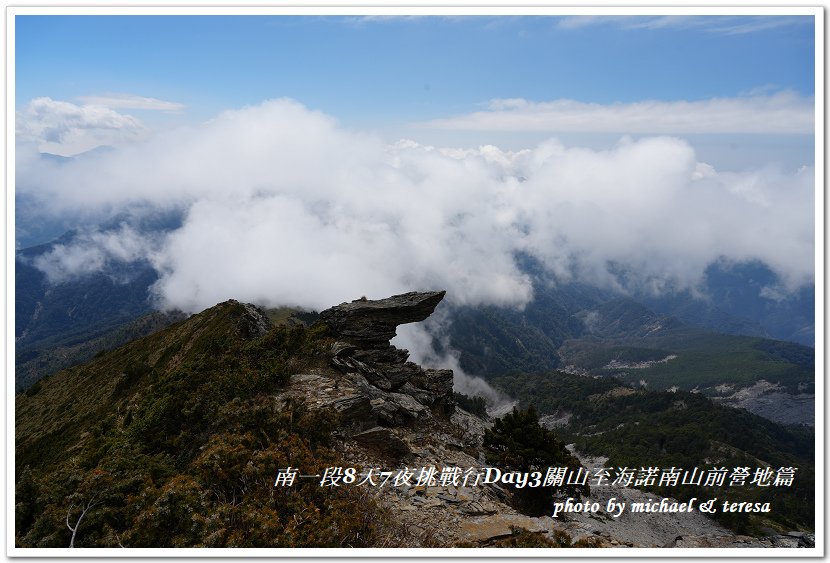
x,y
383,8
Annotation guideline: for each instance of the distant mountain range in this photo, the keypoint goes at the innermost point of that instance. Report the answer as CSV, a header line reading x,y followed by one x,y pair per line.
x,y
716,346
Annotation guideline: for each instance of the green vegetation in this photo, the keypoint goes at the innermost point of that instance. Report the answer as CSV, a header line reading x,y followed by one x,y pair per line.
x,y
517,442
592,354
291,316
175,440
662,429
703,360
67,314
47,357
554,391
590,331
475,405
625,317
491,341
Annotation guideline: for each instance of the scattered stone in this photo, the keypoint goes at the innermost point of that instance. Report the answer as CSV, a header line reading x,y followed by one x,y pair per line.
x,y
382,400
421,395
785,541
478,509
491,528
375,376
438,381
354,408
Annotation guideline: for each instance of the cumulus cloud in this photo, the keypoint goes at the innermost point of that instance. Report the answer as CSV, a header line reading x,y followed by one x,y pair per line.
x,y
780,113
281,205
67,129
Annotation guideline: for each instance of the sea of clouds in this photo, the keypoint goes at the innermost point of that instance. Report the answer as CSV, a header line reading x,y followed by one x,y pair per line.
x,y
282,206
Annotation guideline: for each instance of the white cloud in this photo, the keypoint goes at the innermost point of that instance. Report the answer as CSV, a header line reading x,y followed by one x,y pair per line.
x,y
283,206
418,338
129,101
759,24
716,24
67,129
578,22
91,252
661,22
383,18
781,113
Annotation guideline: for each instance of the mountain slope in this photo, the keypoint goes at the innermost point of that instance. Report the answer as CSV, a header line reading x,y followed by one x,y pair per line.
x,y
611,336
172,440
175,440
629,428
59,310
36,362
769,377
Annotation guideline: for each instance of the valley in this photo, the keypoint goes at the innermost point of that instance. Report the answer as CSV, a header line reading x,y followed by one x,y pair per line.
x,y
179,413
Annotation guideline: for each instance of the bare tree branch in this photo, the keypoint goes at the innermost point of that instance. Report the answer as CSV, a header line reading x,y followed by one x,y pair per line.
x,y
86,508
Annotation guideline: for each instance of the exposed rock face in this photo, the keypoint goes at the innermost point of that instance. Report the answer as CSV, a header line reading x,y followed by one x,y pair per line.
x,y
371,324
363,329
772,401
393,415
255,323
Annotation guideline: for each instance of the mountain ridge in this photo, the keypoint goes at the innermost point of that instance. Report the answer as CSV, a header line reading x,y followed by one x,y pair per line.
x,y
195,420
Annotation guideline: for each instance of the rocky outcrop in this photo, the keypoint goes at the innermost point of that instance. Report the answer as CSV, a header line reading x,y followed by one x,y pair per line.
x,y
254,323
363,329
393,414
371,324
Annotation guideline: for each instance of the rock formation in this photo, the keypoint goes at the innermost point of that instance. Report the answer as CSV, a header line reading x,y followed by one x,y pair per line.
x,y
363,329
394,414
371,324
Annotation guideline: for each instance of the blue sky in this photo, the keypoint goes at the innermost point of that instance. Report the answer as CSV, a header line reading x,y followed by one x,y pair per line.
x,y
410,68
418,152
390,75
